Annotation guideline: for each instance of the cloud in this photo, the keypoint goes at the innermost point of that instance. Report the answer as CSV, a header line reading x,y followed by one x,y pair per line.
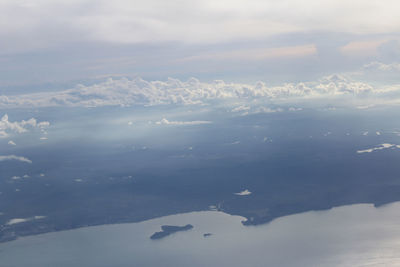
x,y
256,54
379,66
380,147
22,220
240,108
46,23
127,92
362,48
261,109
164,121
267,110
243,193
11,143
365,106
295,109
381,73
16,220
6,126
13,157
234,143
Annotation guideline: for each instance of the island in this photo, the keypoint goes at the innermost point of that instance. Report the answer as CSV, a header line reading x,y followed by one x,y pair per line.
x,y
207,234
170,229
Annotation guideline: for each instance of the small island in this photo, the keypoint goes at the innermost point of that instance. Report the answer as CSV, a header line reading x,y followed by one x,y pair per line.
x,y
207,234
170,229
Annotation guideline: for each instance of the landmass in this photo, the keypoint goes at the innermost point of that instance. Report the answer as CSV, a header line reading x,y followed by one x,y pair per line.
x,y
287,178
170,229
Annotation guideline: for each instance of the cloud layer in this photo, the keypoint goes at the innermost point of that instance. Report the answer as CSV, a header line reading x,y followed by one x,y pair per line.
x,y
194,21
126,92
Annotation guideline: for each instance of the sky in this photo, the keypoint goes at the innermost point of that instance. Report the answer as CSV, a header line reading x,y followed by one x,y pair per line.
x,y
49,45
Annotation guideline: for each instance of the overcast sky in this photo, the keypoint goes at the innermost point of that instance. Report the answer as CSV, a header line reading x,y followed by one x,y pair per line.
x,y
46,41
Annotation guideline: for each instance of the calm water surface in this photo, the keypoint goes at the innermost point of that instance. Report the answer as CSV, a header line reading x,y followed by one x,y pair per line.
x,y
353,235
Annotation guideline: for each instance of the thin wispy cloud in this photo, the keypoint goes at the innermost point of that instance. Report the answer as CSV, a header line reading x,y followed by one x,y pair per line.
x,y
243,193
208,21
23,220
256,54
14,157
380,147
164,121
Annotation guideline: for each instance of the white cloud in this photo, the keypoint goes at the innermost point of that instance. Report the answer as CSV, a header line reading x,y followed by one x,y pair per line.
x,y
19,177
379,66
243,193
234,143
295,109
22,220
267,110
13,157
241,108
6,126
365,106
380,147
11,143
16,220
127,92
167,122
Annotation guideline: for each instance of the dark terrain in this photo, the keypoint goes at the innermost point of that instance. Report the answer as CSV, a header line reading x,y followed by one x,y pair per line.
x,y
89,183
170,229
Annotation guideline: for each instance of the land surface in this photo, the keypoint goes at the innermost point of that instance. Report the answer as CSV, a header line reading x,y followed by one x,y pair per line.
x,y
86,182
170,229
